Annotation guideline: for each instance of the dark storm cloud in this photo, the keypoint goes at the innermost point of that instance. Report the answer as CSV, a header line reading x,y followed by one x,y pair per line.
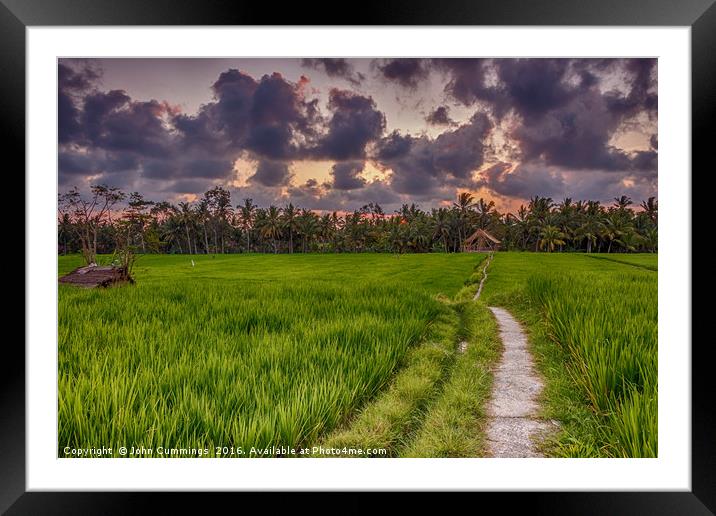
x,y
207,168
187,186
335,68
467,81
354,123
565,119
654,141
94,163
576,136
559,118
345,175
406,72
522,182
277,113
268,117
310,197
641,161
642,94
423,165
439,116
393,146
75,164
535,86
271,173
159,169
119,124
72,83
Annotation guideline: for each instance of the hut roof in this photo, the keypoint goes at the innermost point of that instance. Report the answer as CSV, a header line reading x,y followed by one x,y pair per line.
x,y
95,276
481,233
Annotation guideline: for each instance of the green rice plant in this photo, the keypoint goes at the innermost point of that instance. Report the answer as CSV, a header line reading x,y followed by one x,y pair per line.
x,y
647,261
608,327
592,326
242,351
454,422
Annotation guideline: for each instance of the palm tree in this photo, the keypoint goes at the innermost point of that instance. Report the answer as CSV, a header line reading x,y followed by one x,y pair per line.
x,y
539,209
441,225
615,227
202,213
289,222
651,208
247,212
484,212
271,226
463,205
550,236
650,239
186,216
307,224
622,203
630,241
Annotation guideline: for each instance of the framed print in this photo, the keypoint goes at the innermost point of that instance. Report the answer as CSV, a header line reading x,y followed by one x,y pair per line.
x,y
419,252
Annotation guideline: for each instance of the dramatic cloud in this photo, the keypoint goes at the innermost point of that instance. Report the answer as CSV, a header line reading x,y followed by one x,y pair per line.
x,y
406,72
523,181
314,130
271,173
70,83
335,68
423,165
439,116
345,175
355,123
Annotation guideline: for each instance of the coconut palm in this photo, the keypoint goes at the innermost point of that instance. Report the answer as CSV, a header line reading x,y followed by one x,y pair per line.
x,y
247,213
271,226
651,208
465,202
550,237
442,226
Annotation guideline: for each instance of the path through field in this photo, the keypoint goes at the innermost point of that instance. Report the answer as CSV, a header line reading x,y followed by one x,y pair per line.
x,y
462,346
512,411
484,276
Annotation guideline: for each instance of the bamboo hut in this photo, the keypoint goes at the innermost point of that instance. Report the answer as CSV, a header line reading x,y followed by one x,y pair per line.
x,y
96,276
480,241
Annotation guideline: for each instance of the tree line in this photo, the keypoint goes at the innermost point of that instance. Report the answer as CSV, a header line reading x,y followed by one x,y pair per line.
x,y
109,219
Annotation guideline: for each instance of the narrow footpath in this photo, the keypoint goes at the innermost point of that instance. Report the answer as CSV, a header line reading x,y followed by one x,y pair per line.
x,y
513,426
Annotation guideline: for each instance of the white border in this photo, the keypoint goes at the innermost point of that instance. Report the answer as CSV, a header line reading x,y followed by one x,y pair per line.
x,y
670,471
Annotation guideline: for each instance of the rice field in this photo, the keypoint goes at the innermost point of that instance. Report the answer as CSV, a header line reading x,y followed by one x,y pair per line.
x,y
599,318
240,351
647,260
264,352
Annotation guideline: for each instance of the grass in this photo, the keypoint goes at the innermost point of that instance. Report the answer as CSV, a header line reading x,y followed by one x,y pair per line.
x,y
645,260
454,424
355,351
599,319
248,351
409,418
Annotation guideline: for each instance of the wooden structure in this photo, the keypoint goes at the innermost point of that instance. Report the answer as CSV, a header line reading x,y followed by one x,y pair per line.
x,y
96,276
480,241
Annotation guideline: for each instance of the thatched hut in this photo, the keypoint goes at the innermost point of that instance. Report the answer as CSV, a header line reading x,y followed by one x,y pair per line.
x,y
480,241
96,276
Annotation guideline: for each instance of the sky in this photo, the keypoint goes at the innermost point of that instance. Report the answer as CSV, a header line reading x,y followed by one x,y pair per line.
x,y
331,134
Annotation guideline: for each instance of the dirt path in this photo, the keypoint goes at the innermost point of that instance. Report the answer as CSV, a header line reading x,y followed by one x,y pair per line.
x,y
484,277
462,346
512,422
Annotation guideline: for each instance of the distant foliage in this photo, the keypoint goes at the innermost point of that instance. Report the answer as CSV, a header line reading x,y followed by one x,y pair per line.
x,y
212,225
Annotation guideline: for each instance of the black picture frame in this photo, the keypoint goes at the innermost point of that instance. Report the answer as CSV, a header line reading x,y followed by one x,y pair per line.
x,y
16,15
